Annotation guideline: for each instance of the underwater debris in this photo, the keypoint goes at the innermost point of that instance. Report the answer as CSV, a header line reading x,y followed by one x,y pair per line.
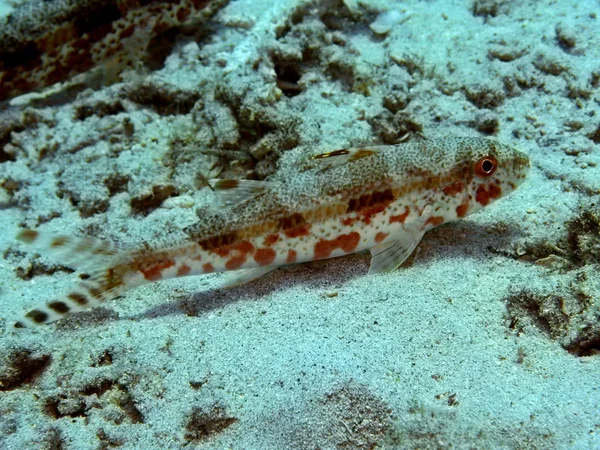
x,y
22,367
103,395
204,424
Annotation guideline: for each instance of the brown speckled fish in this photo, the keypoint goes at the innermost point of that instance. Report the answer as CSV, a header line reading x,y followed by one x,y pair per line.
x,y
44,42
382,198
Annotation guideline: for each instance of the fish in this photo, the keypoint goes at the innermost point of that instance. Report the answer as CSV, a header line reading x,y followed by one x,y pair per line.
x,y
43,43
381,198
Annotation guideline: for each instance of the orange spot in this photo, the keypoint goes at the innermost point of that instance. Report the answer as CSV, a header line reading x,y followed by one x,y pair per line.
x,y
154,272
183,270
222,251
300,230
401,217
244,247
208,268
454,188
271,239
264,256
484,195
323,249
461,210
348,221
291,257
235,262
347,242
380,237
435,221
368,213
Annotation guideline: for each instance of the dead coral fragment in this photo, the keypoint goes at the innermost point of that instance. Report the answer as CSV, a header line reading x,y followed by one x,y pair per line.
x,y
22,367
204,424
568,316
114,399
583,236
489,8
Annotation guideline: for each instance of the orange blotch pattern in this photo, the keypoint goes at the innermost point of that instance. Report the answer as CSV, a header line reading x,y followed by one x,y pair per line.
x,y
462,210
454,188
271,239
291,256
300,230
264,256
223,251
244,246
208,268
368,213
154,272
183,270
348,221
235,262
435,221
380,237
346,242
400,218
483,195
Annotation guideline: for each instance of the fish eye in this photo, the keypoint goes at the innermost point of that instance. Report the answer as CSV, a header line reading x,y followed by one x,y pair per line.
x,y
486,166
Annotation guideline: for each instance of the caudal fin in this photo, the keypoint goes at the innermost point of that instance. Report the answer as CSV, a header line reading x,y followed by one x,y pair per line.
x,y
101,260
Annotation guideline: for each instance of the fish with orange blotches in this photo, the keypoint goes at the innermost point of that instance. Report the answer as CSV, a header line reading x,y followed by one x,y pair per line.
x,y
382,198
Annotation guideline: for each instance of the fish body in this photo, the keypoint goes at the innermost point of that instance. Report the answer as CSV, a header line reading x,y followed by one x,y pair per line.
x,y
382,198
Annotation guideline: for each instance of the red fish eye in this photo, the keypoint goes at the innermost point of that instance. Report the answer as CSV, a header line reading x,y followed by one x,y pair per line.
x,y
486,166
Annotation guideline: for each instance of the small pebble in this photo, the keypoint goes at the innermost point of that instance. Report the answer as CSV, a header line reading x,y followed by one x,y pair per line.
x,y
385,21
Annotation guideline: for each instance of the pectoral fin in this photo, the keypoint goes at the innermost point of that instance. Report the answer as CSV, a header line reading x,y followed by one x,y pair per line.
x,y
389,255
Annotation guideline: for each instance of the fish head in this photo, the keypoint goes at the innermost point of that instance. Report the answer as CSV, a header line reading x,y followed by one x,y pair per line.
x,y
491,170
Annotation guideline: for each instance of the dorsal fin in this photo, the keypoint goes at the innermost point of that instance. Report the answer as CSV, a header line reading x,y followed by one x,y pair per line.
x,y
233,192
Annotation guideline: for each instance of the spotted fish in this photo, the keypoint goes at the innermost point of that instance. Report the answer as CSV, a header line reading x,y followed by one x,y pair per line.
x,y
382,198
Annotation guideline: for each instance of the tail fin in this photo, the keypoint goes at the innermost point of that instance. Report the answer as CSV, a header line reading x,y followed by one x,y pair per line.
x,y
103,261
